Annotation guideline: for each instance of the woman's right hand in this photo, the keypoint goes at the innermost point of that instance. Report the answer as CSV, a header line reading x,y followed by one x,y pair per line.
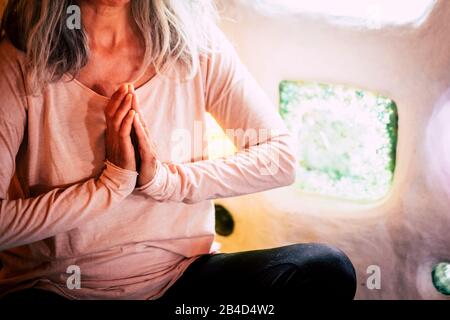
x,y
119,122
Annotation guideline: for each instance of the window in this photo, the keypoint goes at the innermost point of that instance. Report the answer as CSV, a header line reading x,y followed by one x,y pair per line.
x,y
346,139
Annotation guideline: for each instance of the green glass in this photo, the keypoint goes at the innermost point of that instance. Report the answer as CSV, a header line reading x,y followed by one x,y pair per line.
x,y
346,139
441,277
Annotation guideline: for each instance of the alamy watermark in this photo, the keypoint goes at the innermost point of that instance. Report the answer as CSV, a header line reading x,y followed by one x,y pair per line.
x,y
373,282
73,282
73,21
255,146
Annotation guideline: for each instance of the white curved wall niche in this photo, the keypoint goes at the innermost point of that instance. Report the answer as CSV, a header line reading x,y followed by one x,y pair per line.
x,y
407,233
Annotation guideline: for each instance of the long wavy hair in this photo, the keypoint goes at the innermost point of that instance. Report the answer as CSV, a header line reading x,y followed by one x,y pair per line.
x,y
172,31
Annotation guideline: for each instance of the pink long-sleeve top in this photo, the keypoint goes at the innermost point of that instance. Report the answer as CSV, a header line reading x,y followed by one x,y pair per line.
x,y
63,205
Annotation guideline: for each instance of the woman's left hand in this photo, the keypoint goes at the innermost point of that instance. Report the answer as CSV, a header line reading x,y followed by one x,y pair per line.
x,y
146,148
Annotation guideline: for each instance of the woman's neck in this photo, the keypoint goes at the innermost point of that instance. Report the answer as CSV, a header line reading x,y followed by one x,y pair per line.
x,y
108,27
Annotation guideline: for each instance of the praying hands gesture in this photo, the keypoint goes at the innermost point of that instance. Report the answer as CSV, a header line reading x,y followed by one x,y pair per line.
x,y
123,114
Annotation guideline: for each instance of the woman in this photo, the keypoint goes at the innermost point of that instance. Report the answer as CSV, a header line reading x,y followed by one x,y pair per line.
x,y
82,113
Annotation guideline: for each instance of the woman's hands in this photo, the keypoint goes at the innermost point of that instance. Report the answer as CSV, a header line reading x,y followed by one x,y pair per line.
x,y
119,122
146,148
122,115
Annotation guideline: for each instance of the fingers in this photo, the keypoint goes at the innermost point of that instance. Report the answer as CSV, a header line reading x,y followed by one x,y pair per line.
x,y
116,101
119,123
135,103
144,125
136,106
121,102
121,112
140,133
127,125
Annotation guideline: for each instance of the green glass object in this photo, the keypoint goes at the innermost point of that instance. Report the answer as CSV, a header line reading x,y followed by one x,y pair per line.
x,y
346,139
441,277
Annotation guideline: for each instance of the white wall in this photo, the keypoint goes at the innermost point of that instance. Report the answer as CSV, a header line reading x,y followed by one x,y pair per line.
x,y
409,231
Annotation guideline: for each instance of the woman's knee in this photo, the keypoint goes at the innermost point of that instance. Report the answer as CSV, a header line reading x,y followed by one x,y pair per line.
x,y
327,269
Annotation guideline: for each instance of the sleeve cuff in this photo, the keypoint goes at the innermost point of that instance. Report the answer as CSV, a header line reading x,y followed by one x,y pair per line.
x,y
156,184
119,177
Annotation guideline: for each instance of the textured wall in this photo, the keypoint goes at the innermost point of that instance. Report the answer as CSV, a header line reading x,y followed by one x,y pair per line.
x,y
407,232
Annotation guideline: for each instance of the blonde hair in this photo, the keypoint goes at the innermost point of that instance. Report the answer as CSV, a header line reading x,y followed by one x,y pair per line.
x,y
172,31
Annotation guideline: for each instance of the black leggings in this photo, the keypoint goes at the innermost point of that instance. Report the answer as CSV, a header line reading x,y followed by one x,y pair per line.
x,y
295,272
